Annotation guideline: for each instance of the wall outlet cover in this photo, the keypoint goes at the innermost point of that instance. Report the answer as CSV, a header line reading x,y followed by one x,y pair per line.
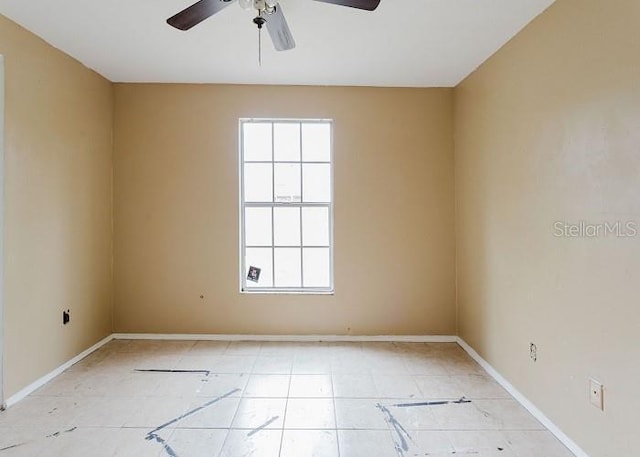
x,y
596,394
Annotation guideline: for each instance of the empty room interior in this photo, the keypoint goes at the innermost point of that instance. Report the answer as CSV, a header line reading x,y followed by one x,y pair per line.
x,y
320,228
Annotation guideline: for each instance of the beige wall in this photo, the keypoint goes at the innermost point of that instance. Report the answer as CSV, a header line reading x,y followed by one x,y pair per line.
x,y
58,122
176,211
548,130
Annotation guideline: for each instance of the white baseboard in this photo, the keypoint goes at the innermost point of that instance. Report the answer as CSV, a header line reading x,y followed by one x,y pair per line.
x,y
289,338
524,401
12,400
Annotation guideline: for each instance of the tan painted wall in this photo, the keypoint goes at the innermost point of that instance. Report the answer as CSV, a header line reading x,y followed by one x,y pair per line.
x,y
549,130
58,123
176,211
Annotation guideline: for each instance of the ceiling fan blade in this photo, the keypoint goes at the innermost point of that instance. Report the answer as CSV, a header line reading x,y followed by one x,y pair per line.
x,y
368,5
279,30
197,13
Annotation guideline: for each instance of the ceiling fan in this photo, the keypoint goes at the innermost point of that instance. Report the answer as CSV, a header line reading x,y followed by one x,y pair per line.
x,y
269,14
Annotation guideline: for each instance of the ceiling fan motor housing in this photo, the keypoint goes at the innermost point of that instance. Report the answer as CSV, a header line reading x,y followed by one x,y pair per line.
x,y
268,6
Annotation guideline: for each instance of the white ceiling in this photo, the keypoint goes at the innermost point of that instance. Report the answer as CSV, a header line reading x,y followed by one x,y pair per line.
x,y
413,43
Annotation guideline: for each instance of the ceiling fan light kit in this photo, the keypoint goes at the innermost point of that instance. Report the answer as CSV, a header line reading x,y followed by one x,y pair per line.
x,y
269,14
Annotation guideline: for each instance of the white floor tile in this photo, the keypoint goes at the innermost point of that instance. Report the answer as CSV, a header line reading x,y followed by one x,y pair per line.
x,y
314,385
360,414
439,387
216,385
366,443
304,363
431,443
241,443
273,364
254,413
417,416
267,385
197,442
484,443
310,413
536,443
233,364
396,386
354,386
209,413
309,443
271,399
208,348
153,412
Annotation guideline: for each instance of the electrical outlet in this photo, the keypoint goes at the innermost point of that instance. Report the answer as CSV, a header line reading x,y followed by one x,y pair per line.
x,y
533,352
596,394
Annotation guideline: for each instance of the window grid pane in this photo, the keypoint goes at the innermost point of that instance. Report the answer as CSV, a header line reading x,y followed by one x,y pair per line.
x,y
317,266
316,179
258,182
256,138
262,258
286,142
287,182
286,224
257,231
288,270
300,217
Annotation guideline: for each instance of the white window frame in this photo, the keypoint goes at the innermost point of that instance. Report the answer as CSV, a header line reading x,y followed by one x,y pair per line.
x,y
243,204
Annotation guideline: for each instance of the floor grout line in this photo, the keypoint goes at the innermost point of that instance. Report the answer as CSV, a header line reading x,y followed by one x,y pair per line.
x,y
335,413
286,407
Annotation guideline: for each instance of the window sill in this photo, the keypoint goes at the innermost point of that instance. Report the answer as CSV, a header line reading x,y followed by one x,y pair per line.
x,y
286,292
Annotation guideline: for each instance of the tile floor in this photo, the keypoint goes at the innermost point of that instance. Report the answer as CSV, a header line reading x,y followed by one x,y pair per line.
x,y
236,399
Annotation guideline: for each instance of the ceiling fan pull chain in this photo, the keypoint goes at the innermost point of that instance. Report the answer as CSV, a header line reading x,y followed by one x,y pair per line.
x,y
260,47
259,21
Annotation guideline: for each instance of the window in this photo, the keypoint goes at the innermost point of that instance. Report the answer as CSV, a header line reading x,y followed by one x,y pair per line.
x,y
286,206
